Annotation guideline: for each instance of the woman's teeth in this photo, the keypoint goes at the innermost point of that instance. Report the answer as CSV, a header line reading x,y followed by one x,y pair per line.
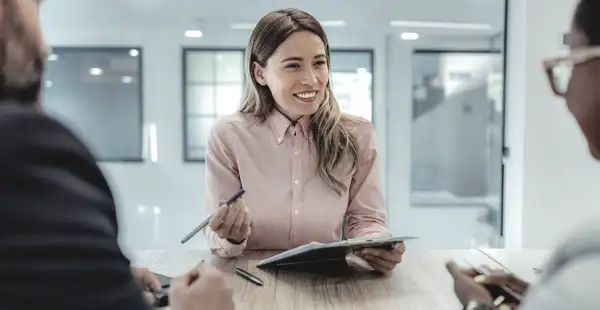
x,y
307,95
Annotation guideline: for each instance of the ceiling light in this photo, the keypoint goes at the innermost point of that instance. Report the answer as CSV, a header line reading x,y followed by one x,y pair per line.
x,y
242,26
48,84
409,36
95,71
134,53
126,79
333,23
193,33
419,24
52,57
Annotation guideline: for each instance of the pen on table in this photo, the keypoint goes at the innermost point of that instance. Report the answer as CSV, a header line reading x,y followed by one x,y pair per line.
x,y
207,220
248,276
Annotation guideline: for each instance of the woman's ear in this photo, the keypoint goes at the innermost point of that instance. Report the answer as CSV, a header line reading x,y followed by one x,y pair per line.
x,y
259,74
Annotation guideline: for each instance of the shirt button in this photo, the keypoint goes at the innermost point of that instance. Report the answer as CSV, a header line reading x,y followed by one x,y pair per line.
x,y
279,140
296,182
296,211
296,153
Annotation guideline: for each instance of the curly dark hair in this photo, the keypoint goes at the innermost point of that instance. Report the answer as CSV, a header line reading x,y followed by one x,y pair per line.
x,y
587,20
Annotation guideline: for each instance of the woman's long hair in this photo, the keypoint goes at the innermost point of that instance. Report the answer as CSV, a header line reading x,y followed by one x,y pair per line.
x,y
333,140
22,51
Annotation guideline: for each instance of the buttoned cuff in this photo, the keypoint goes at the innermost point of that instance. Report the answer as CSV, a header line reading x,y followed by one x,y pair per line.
x,y
375,231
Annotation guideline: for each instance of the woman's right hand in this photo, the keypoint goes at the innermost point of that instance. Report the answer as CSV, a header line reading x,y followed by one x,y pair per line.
x,y
232,222
203,288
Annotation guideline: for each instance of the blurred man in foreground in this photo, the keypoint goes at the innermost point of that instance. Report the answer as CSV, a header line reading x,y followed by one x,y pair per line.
x,y
58,227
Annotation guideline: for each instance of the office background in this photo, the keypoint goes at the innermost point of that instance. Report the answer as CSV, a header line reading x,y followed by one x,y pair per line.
x,y
135,79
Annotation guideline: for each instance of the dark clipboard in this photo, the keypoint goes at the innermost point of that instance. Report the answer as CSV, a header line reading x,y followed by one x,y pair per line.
x,y
325,258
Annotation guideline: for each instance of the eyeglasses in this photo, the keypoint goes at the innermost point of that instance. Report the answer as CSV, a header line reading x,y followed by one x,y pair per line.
x,y
559,69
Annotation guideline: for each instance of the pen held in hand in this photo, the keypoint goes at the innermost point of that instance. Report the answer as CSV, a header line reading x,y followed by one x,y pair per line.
x,y
204,223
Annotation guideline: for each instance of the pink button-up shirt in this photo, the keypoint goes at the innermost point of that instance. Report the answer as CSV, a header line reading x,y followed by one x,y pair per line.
x,y
290,205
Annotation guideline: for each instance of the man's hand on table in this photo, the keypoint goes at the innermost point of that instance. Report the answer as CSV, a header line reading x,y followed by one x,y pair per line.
x,y
203,288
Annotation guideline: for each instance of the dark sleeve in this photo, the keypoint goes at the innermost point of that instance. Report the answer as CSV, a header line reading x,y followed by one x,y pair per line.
x,y
58,227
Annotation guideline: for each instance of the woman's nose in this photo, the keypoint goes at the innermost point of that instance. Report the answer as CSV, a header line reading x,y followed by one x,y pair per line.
x,y
309,78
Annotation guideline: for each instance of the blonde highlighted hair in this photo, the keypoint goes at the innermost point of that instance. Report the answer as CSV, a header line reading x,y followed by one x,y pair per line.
x,y
22,51
335,144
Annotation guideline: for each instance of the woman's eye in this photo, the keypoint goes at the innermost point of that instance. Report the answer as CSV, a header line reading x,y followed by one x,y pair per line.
x,y
320,63
293,66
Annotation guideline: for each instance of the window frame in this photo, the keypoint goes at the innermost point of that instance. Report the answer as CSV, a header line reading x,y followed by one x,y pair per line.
x,y
440,51
140,158
184,88
499,218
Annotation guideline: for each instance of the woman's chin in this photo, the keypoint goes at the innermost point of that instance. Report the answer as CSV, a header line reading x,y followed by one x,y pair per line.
x,y
307,108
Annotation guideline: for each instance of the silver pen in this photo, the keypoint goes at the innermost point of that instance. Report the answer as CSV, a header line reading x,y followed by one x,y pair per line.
x,y
208,218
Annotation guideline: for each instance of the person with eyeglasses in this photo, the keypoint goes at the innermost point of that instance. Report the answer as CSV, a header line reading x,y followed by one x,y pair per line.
x,y
572,276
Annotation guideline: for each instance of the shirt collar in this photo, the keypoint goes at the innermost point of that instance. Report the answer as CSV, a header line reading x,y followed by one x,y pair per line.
x,y
280,125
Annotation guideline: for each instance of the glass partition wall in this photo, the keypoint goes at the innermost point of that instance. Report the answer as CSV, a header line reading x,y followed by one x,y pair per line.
x,y
456,137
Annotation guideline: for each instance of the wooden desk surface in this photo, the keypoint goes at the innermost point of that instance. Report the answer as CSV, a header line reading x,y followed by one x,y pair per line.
x,y
419,282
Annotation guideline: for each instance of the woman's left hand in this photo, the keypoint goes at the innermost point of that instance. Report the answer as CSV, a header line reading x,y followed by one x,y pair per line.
x,y
383,260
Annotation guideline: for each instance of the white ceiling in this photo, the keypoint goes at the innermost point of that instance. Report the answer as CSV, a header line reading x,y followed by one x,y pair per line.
x,y
358,14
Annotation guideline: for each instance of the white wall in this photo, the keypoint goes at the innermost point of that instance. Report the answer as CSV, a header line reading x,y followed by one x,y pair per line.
x,y
175,189
551,180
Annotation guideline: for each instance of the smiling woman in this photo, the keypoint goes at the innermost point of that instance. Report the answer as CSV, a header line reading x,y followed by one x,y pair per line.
x,y
288,60
306,166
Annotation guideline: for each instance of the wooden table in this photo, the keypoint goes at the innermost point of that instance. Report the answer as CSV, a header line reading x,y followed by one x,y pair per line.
x,y
419,282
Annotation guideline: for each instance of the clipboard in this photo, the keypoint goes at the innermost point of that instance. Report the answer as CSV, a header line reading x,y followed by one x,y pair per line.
x,y
326,258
